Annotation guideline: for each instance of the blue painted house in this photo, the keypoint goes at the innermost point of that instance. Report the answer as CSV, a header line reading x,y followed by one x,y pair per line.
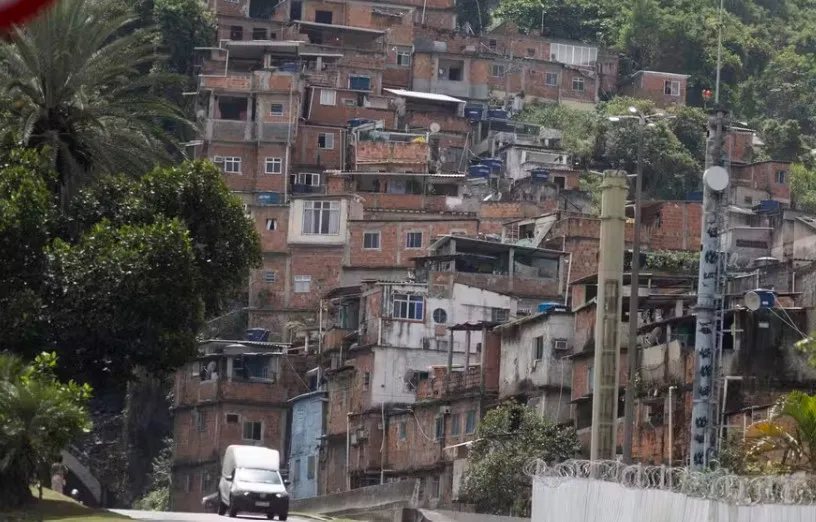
x,y
307,428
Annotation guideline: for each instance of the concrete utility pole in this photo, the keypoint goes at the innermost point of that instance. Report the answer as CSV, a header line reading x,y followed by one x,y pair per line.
x,y
715,180
607,316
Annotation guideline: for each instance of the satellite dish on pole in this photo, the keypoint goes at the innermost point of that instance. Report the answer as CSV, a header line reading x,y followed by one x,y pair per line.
x,y
756,299
15,12
716,178
435,127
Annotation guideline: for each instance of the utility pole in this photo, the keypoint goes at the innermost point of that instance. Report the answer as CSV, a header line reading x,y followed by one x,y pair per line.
x,y
715,180
634,298
607,316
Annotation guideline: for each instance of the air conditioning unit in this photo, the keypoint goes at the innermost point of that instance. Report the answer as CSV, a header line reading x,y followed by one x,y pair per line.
x,y
444,410
362,434
218,159
353,439
560,345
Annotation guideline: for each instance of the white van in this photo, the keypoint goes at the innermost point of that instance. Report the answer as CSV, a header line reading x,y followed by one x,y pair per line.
x,y
251,483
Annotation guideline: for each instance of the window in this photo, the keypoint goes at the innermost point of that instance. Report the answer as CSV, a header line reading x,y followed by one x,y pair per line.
x,y
310,467
749,200
201,421
404,59
325,140
492,44
311,179
359,83
591,378
538,350
273,166
573,54
371,240
499,315
780,177
409,307
440,316
551,79
232,165
413,240
252,431
403,431
270,276
434,487
671,88
470,422
456,424
439,428
328,97
303,283
323,17
531,53
295,471
188,483
271,224
276,109
321,217
349,102
236,32
498,70
232,418
366,380
578,84
259,33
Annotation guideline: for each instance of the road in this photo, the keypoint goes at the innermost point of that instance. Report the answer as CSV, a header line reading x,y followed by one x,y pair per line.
x,y
159,516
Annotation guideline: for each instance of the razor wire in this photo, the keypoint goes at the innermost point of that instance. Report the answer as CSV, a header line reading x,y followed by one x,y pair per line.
x,y
798,489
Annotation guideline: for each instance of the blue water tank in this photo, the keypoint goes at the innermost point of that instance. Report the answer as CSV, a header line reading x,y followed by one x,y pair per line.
x,y
290,67
495,164
356,122
769,205
257,334
694,196
540,175
474,113
498,114
479,171
269,198
545,307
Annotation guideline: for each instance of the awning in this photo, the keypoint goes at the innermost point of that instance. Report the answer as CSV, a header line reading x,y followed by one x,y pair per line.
x,y
339,27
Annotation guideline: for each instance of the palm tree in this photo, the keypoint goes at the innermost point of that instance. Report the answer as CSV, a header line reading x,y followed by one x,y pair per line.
x,y
789,433
75,79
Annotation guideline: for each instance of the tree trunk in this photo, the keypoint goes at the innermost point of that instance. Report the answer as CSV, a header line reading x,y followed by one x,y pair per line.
x,y
15,492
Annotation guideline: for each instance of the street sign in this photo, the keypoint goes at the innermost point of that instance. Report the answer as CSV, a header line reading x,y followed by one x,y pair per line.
x,y
15,12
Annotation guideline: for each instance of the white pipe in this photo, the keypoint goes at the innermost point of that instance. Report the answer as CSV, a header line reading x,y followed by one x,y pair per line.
x,y
348,451
671,427
382,443
567,282
425,3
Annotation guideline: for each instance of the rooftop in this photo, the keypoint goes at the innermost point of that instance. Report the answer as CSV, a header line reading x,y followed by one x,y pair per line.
x,y
493,247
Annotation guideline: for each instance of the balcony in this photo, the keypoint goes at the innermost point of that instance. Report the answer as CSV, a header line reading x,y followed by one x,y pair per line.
x,y
392,153
229,130
664,362
297,188
256,81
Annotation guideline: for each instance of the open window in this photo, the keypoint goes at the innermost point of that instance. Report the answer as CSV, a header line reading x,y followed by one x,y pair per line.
x,y
233,108
323,17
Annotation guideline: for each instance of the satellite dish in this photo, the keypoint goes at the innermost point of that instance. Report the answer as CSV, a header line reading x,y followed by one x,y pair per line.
x,y
716,178
435,127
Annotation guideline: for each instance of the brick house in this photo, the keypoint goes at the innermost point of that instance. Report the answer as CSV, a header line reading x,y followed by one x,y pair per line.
x,y
664,89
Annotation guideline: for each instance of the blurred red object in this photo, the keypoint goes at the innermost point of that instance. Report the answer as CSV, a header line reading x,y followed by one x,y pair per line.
x,y
15,12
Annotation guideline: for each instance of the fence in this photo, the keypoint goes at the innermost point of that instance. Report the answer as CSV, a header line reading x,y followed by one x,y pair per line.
x,y
584,491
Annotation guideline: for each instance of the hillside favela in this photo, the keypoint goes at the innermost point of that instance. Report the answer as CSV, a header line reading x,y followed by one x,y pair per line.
x,y
408,260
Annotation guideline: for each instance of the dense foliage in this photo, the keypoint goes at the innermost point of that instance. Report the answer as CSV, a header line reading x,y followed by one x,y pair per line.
x,y
788,437
158,497
506,439
39,416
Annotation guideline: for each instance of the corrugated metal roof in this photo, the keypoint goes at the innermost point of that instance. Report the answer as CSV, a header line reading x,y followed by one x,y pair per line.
x,y
424,95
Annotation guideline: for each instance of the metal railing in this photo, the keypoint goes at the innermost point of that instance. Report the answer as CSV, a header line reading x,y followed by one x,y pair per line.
x,y
714,485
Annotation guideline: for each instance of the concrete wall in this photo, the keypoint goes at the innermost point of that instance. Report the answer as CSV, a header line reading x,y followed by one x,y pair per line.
x,y
358,499
307,427
392,364
518,364
603,501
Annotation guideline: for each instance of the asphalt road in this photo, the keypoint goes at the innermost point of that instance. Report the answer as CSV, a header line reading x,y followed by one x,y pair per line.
x,y
194,517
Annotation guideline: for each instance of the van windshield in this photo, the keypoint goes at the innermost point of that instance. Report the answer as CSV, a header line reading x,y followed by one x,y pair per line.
x,y
258,476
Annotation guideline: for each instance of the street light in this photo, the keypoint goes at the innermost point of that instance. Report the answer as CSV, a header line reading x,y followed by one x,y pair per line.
x,y
643,120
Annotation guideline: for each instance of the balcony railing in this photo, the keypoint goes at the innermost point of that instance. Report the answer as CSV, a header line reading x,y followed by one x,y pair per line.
x,y
297,188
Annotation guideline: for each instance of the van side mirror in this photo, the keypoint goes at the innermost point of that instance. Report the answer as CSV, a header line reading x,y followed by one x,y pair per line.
x,y
287,482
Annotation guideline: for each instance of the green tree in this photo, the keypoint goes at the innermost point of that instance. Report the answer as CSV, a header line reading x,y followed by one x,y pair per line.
x,y
783,140
126,297
788,435
803,187
506,439
72,76
39,416
158,497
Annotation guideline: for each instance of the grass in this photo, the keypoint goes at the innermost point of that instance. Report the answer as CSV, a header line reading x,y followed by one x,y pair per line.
x,y
54,506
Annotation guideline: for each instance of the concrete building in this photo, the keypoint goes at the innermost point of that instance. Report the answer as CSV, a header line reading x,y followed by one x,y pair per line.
x,y
308,415
535,363
236,392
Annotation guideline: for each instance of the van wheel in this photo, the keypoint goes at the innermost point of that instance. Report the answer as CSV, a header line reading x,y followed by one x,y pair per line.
x,y
282,517
222,508
270,516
